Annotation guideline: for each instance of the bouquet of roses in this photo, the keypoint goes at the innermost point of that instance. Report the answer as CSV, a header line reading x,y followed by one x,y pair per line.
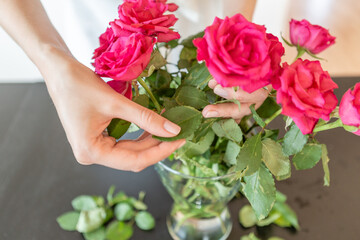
x,y
240,54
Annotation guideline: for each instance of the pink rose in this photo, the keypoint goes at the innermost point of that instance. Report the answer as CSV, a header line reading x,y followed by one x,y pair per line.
x,y
147,17
124,88
349,109
240,53
306,93
311,37
122,56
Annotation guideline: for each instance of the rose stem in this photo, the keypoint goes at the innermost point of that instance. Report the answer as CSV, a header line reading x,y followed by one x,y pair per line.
x,y
272,117
328,126
147,89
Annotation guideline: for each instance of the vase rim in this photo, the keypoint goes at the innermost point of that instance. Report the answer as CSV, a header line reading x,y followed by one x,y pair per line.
x,y
193,177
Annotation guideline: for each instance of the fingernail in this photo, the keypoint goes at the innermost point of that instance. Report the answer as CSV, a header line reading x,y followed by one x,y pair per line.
x,y
210,114
172,127
221,92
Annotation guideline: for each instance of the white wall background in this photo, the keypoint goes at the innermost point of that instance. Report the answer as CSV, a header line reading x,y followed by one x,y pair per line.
x,y
80,25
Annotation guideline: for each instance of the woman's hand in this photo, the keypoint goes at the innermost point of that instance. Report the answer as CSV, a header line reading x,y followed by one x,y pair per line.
x,y
231,110
86,105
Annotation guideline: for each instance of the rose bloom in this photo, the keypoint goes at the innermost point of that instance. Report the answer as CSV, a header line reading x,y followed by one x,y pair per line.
x,y
122,56
349,109
240,53
147,17
306,93
311,37
124,88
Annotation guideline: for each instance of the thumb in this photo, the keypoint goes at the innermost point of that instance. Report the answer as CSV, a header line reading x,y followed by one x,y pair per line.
x,y
146,119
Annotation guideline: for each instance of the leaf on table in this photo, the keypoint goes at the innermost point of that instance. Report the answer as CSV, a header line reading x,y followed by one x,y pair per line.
x,y
198,76
191,96
83,202
118,127
250,155
110,194
275,160
247,217
231,153
259,189
98,234
188,118
91,220
124,211
294,141
144,220
325,163
119,231
68,220
308,157
288,216
251,236
229,129
137,204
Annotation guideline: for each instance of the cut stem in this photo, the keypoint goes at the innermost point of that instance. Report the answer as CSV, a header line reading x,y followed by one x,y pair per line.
x,y
328,126
151,95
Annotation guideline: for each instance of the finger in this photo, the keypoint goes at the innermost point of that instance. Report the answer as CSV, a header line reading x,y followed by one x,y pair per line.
x,y
227,93
212,83
257,96
143,136
145,118
226,110
128,159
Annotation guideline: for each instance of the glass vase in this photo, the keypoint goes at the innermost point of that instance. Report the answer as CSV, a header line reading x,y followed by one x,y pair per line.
x,y
199,211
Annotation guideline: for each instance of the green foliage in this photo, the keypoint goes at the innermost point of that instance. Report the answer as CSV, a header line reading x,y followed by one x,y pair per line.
x,y
92,214
250,155
308,157
188,118
268,108
325,163
229,129
68,220
118,127
144,220
119,231
259,189
294,141
191,96
275,160
256,117
198,76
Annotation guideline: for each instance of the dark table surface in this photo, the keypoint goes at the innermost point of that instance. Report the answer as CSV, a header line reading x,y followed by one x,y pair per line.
x,y
39,177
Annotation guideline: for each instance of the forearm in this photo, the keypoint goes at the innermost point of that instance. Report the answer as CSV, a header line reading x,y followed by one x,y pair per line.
x,y
28,24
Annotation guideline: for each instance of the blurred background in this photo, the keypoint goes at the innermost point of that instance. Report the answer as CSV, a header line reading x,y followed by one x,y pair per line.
x,y
80,25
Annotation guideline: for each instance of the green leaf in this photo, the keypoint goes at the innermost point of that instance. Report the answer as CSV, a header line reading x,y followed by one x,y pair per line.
x,y
251,236
250,155
169,103
123,211
173,43
188,53
98,234
118,231
268,108
188,42
118,127
280,197
191,149
110,194
247,217
308,157
275,160
161,79
237,102
142,99
229,129
68,220
325,163
156,62
231,153
259,189
188,118
198,76
294,141
256,117
83,202
203,129
287,215
91,220
138,205
144,220
191,96
276,238
119,197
